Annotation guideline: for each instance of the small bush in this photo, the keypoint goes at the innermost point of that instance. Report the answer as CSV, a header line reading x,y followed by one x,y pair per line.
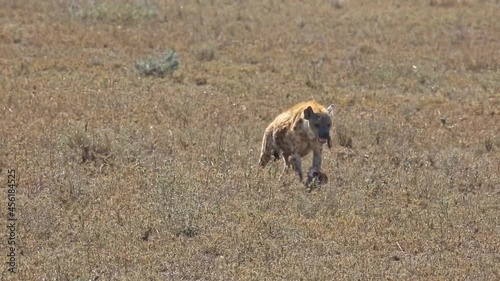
x,y
160,66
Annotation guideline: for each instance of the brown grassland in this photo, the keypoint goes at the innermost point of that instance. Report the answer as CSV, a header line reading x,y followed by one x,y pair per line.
x,y
123,176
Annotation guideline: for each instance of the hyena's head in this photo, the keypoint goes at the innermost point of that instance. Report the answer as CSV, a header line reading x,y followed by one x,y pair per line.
x,y
320,123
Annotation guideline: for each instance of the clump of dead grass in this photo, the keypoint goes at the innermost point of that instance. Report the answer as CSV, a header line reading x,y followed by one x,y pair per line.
x,y
113,11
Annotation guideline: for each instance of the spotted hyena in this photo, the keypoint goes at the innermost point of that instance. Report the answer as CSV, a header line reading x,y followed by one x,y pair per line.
x,y
296,132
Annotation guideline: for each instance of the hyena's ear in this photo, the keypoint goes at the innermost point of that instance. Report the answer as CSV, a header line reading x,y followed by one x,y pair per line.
x,y
330,110
308,113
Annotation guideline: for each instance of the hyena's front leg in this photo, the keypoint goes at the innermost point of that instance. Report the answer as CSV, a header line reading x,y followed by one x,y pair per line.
x,y
316,163
315,174
297,165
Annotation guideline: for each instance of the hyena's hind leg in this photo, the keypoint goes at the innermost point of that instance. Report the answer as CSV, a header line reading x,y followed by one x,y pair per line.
x,y
287,164
297,165
276,154
268,149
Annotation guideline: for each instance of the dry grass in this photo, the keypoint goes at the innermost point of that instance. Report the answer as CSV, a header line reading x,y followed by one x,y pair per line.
x,y
125,177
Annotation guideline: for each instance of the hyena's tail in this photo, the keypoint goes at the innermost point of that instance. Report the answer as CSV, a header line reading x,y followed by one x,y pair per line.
x,y
267,149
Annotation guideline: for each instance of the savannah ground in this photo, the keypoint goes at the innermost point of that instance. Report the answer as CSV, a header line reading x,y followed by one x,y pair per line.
x,y
123,176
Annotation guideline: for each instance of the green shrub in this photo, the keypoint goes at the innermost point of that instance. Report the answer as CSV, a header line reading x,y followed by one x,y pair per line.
x,y
160,66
